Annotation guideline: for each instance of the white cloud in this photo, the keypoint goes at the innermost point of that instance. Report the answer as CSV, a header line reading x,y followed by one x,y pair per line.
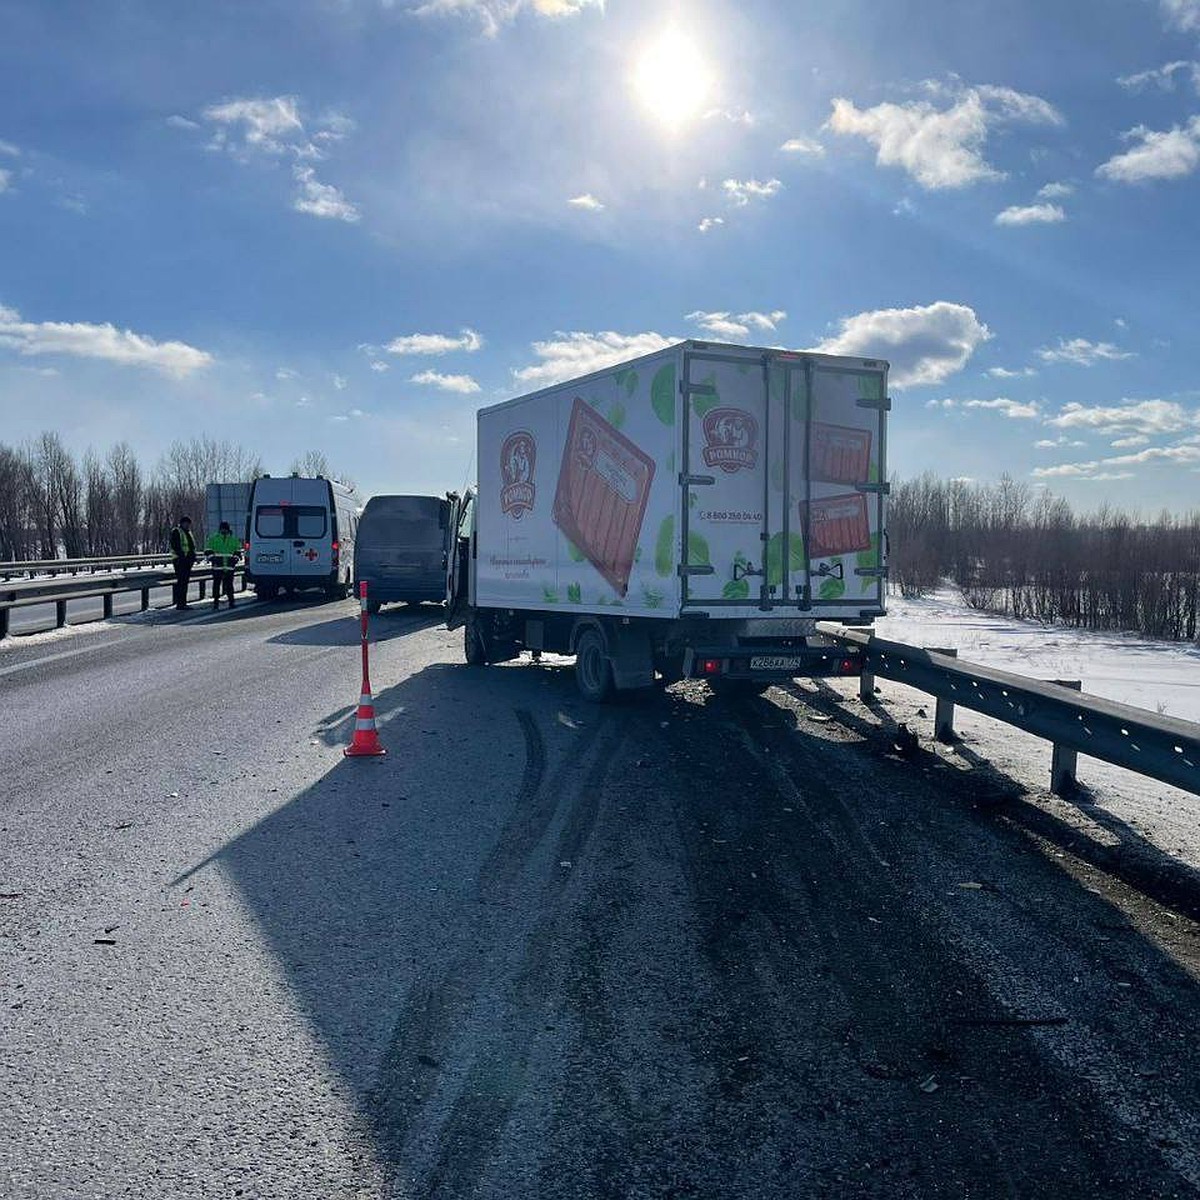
x,y
1127,443
924,345
339,382
1081,352
1031,214
321,199
1174,455
463,384
1182,14
378,366
492,15
742,191
806,147
9,149
1151,417
708,223
1163,77
282,373
568,355
1156,155
265,124
941,147
304,402
1005,373
947,403
105,342
178,122
1012,409
734,326
586,201
1055,191
435,343
5,180
735,116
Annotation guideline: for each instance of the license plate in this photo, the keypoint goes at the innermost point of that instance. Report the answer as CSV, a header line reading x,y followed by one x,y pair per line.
x,y
268,557
776,662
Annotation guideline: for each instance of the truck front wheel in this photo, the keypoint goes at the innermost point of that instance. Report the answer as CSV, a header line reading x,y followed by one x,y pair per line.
x,y
474,645
593,671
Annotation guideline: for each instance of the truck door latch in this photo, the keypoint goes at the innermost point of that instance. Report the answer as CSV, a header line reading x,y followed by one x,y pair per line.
x,y
837,570
744,570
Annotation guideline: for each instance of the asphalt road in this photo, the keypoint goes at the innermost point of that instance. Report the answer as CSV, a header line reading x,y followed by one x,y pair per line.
x,y
681,946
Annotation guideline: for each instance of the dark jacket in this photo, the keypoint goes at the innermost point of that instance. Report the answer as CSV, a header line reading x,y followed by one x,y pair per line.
x,y
183,544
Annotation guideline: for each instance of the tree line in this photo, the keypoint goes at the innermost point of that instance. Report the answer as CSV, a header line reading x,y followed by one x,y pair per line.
x,y
1025,553
53,505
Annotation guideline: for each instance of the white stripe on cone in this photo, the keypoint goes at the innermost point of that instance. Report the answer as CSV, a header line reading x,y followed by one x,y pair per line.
x,y
366,698
361,724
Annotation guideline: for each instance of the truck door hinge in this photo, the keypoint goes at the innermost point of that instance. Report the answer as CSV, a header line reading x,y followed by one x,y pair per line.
x,y
686,480
878,489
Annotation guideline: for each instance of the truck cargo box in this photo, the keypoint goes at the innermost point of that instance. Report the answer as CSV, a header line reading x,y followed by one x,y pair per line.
x,y
729,481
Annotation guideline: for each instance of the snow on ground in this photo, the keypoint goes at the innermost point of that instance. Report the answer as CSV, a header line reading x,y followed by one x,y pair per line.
x,y
1161,677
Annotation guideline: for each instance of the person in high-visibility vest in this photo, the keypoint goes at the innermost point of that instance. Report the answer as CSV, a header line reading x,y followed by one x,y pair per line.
x,y
223,550
183,558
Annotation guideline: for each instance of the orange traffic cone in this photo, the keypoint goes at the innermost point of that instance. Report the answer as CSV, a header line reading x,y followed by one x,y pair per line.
x,y
366,737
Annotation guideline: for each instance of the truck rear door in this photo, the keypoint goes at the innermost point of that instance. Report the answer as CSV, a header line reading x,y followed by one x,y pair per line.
x,y
782,454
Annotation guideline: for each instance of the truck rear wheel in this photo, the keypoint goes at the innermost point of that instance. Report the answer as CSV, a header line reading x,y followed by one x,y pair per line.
x,y
474,644
593,671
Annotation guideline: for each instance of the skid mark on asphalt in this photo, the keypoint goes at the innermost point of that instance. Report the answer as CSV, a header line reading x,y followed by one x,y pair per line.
x,y
439,1123
803,906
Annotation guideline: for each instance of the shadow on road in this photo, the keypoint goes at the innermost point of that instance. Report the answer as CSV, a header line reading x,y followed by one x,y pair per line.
x,y
346,629
567,951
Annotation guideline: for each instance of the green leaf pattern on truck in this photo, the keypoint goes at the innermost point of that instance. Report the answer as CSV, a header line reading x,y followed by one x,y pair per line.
x,y
627,379
574,551
549,594
869,558
698,551
662,394
870,387
652,597
832,588
736,589
664,548
775,554
704,402
616,414
574,593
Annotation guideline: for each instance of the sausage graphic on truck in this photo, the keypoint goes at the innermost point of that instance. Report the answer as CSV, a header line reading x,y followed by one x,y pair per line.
x,y
690,513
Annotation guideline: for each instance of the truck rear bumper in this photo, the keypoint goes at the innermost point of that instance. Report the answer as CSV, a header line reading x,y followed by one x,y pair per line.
x,y
765,662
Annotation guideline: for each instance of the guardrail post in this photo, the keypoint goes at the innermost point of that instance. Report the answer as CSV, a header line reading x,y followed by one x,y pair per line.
x,y
60,613
4,622
107,601
145,598
866,685
1064,759
943,713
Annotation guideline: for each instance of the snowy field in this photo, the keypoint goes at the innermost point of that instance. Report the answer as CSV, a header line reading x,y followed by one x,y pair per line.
x,y
1158,676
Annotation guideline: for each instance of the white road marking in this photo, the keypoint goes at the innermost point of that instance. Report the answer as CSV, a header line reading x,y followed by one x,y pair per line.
x,y
49,658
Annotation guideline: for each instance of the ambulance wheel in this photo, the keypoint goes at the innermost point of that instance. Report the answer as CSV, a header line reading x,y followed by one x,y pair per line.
x,y
474,643
593,671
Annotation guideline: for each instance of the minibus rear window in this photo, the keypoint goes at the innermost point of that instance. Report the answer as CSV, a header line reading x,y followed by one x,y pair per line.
x,y
268,522
310,521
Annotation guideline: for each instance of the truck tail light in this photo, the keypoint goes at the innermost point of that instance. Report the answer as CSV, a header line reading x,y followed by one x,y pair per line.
x,y
335,553
710,666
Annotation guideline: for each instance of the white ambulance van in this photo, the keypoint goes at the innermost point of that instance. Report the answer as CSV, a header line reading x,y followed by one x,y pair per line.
x,y
300,536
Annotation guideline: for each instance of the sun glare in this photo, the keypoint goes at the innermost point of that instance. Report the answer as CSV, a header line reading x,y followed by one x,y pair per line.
x,y
672,79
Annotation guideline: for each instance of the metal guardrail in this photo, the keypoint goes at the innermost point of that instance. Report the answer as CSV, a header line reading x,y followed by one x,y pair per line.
x,y
1161,747
79,566
27,594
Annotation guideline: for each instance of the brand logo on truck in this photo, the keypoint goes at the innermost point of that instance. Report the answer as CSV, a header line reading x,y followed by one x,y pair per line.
x,y
731,434
518,457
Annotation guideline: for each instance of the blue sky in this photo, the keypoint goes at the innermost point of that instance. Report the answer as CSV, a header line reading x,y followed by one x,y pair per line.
x,y
347,224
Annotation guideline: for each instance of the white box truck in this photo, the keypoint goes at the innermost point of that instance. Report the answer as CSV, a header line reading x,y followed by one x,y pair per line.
x,y
227,502
690,513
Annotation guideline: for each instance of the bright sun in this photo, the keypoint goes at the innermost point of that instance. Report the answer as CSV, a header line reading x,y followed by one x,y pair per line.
x,y
672,79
